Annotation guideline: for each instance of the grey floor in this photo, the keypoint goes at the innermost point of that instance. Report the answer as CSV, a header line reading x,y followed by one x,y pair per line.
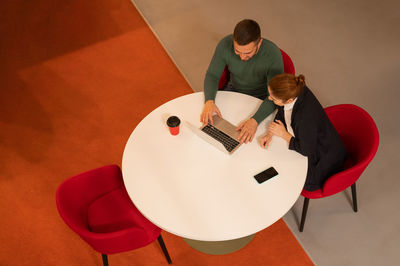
x,y
348,51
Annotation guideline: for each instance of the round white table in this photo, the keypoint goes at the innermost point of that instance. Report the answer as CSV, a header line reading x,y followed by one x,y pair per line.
x,y
189,188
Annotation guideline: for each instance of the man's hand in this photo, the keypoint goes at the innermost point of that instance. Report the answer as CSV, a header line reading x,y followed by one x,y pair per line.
x,y
208,110
247,130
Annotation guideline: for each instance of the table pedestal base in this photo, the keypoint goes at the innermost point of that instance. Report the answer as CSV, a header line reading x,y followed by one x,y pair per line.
x,y
219,247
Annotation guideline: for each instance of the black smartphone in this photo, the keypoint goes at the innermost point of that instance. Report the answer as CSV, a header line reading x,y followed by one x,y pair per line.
x,y
265,175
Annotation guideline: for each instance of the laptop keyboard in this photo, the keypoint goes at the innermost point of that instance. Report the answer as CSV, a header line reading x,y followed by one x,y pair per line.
x,y
228,142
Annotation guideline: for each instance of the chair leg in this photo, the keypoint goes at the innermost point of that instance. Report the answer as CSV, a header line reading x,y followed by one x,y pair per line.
x,y
354,195
105,259
304,214
164,249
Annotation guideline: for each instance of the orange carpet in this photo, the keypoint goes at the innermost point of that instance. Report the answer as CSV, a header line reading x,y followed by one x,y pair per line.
x,y
76,78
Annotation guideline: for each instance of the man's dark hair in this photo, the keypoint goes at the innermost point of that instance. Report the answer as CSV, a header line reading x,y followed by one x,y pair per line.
x,y
246,31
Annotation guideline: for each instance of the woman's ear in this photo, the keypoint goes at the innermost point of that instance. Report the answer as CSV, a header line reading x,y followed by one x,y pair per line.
x,y
289,101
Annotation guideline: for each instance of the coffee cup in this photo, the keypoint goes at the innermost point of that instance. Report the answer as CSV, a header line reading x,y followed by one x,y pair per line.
x,y
173,123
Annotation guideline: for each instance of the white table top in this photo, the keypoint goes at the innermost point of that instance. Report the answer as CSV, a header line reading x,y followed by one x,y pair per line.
x,y
191,189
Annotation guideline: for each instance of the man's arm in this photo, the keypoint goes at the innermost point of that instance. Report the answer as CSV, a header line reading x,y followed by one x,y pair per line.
x,y
265,109
249,127
214,72
275,68
211,82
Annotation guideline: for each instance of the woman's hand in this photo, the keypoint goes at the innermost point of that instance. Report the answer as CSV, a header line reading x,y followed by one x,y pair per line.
x,y
278,129
264,141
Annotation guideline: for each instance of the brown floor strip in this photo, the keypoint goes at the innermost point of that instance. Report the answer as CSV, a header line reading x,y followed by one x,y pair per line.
x,y
76,78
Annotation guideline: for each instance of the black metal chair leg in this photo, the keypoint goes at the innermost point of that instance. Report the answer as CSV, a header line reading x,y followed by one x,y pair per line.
x,y
164,249
354,195
304,213
105,259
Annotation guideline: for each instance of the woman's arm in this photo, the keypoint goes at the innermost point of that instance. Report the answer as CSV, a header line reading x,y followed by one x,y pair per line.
x,y
306,136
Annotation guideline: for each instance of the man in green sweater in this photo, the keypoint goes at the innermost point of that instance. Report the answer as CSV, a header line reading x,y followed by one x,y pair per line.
x,y
252,61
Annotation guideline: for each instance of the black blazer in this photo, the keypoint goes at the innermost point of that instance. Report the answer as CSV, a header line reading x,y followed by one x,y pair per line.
x,y
316,138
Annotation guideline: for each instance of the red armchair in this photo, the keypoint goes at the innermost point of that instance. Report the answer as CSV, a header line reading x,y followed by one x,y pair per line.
x,y
288,66
96,206
360,136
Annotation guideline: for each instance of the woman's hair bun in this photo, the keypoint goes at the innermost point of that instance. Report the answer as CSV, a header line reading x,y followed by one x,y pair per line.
x,y
300,80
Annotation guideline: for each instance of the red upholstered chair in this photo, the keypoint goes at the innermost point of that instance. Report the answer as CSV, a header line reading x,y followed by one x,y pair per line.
x,y
96,206
360,135
288,67
224,79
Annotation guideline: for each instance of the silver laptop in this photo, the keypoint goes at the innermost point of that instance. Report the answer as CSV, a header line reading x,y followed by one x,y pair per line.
x,y
221,134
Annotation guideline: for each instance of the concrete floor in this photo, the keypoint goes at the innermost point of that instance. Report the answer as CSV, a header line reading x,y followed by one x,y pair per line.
x,y
348,51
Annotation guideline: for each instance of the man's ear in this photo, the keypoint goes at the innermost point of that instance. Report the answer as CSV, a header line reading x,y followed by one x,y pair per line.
x,y
259,44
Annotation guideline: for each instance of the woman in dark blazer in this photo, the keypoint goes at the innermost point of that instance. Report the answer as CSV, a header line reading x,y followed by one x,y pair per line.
x,y
302,122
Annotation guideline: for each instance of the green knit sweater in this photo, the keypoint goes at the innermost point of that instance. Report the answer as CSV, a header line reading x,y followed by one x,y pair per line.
x,y
249,77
